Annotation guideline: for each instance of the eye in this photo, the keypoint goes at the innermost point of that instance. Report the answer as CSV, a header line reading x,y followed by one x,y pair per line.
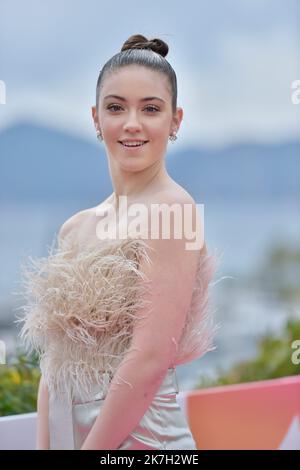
x,y
113,106
151,107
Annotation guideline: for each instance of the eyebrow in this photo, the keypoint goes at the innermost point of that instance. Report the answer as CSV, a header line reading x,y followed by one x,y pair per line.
x,y
148,98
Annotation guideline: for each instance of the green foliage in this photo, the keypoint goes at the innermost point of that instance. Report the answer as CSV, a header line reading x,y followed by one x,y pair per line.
x,y
19,380
280,273
274,360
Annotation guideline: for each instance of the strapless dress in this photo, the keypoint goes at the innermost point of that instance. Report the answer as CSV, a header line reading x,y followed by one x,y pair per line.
x,y
163,426
78,301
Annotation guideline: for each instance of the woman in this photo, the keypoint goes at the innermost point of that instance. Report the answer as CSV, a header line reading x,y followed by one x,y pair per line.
x,y
111,315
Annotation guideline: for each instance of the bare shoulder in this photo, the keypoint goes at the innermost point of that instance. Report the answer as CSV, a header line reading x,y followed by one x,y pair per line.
x,y
184,207
72,223
197,223
176,193
81,224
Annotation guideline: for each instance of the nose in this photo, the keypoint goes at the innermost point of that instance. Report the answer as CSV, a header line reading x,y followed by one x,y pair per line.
x,y
132,124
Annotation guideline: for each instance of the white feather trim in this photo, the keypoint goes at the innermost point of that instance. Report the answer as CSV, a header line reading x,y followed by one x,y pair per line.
x,y
81,306
200,327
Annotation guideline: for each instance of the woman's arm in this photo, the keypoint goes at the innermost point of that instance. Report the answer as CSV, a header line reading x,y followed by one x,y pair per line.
x,y
154,344
42,442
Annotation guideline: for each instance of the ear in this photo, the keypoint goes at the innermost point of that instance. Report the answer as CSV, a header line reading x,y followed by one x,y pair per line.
x,y
95,117
177,118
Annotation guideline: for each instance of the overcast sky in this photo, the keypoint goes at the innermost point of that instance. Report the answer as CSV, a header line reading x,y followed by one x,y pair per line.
x,y
235,61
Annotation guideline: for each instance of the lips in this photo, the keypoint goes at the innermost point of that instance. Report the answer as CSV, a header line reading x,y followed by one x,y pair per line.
x,y
132,146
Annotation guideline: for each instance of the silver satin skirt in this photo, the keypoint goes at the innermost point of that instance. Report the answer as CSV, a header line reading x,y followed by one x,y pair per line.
x,y
163,426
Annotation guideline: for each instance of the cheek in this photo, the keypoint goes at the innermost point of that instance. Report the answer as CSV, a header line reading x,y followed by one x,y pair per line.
x,y
110,126
160,130
112,133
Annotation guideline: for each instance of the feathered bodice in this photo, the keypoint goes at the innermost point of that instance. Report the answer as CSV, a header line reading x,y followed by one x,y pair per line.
x,y
82,304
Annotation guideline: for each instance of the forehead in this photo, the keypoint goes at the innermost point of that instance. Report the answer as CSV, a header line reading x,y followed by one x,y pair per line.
x,y
135,82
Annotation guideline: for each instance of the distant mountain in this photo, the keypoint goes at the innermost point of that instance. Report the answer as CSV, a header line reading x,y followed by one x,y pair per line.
x,y
243,170
41,163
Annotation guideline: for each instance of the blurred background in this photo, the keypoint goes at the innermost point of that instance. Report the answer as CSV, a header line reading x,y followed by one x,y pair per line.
x,y
237,152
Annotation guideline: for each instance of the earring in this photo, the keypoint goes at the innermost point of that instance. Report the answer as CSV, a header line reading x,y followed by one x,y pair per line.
x,y
173,136
99,135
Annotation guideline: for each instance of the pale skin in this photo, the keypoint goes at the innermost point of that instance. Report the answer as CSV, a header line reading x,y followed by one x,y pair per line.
x,y
142,177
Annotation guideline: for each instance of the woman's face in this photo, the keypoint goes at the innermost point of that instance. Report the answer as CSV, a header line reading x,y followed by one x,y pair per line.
x,y
134,118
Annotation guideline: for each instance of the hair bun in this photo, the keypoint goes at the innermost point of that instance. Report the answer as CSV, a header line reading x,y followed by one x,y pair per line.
x,y
137,41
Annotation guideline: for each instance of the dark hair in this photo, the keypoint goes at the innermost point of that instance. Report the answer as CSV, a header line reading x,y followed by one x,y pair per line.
x,y
138,50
